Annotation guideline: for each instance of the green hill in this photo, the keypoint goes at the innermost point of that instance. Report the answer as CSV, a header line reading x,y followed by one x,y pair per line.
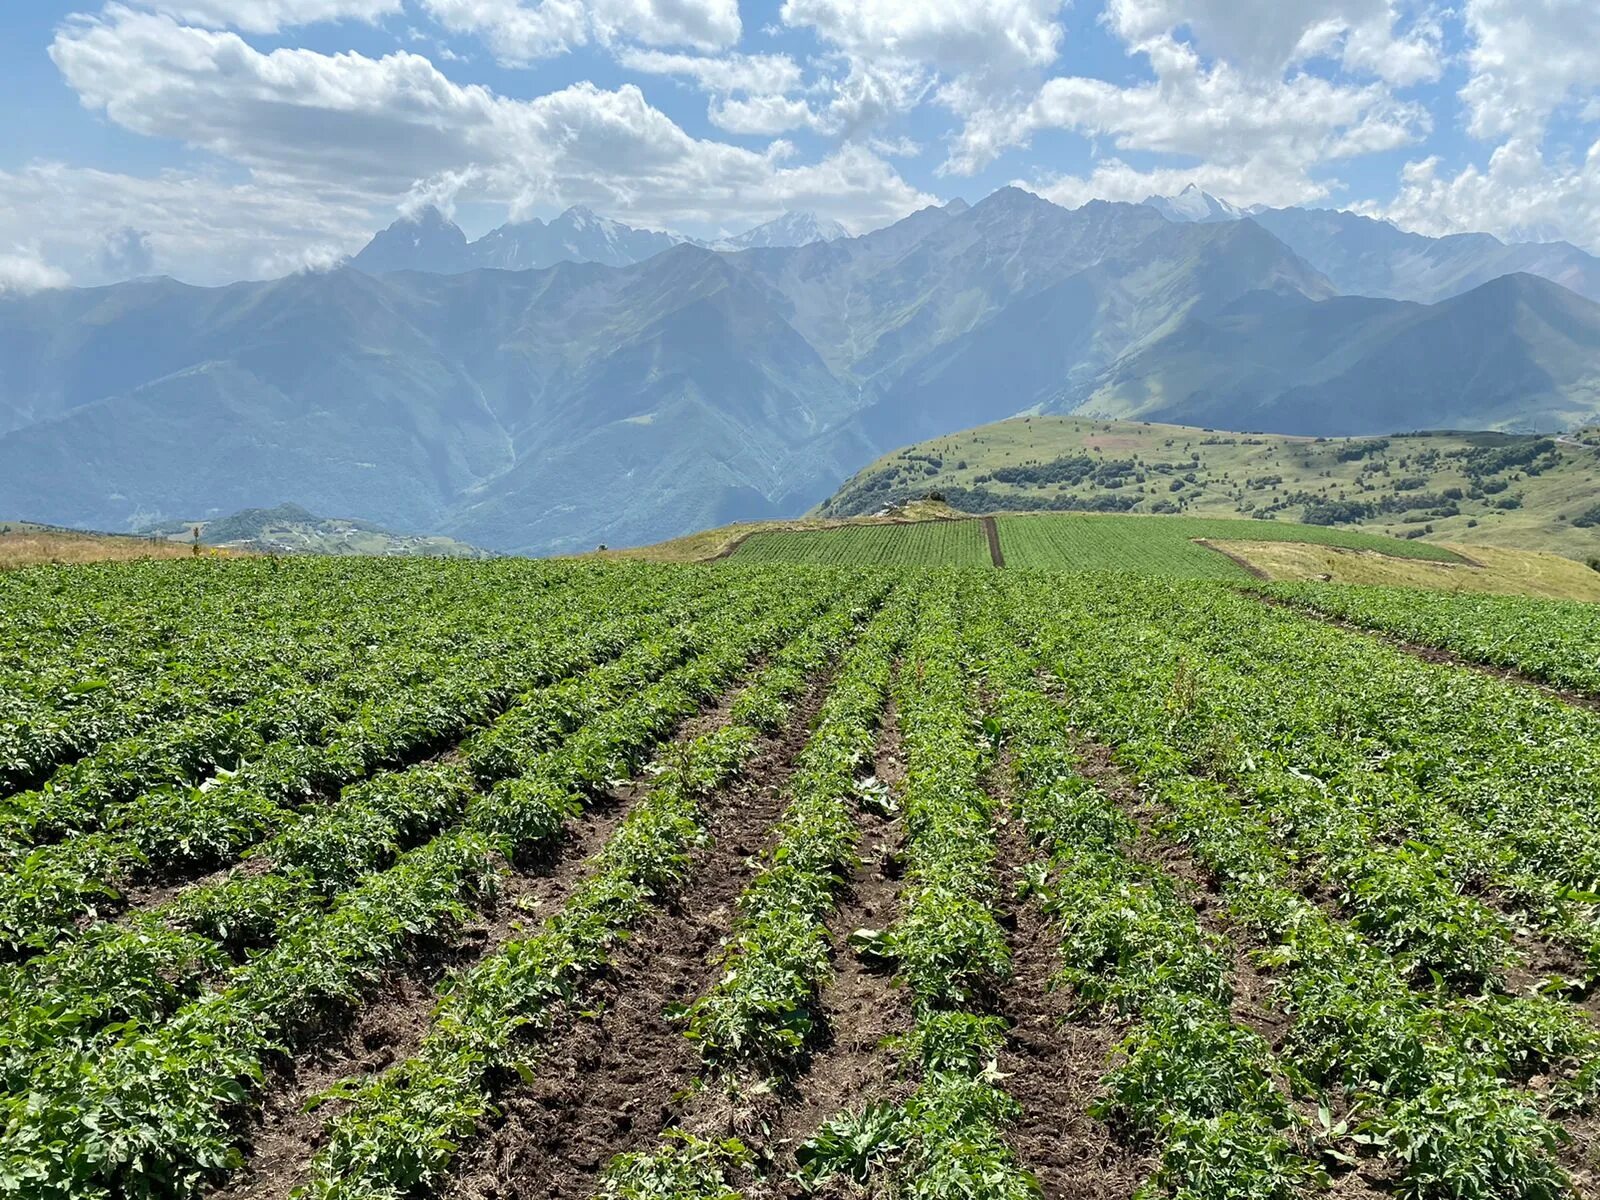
x,y
1492,489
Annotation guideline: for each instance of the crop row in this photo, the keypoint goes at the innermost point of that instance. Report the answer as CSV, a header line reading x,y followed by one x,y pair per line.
x,y
185,828
90,670
1429,1075
1421,794
918,544
273,715
947,1138
143,967
155,1112
762,1008
403,1126
1556,641
1205,1090
760,1013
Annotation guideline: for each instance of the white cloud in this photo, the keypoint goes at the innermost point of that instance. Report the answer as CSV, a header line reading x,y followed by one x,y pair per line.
x,y
1113,179
1528,57
1214,114
363,132
22,270
761,74
197,227
1263,38
125,253
519,32
952,36
1517,196
269,16
760,116
1527,61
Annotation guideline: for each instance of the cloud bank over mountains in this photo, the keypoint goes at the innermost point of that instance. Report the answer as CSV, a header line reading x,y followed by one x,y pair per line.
x,y
226,139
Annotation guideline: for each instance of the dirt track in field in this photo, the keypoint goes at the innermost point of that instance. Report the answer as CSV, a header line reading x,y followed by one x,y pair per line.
x,y
858,1010
612,1082
991,531
1253,1005
1053,1059
394,1017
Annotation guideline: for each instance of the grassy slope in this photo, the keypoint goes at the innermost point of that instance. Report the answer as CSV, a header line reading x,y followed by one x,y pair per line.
x,y
25,544
1233,473
1502,572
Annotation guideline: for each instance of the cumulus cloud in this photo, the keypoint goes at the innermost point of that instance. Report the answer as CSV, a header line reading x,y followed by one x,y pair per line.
x,y
22,270
1113,179
956,37
1264,38
1212,113
1527,61
762,74
126,254
270,16
198,227
346,128
1516,195
519,32
1528,57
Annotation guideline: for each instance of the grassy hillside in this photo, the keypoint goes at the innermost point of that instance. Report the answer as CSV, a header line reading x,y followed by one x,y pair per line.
x,y
1489,489
28,544
1493,570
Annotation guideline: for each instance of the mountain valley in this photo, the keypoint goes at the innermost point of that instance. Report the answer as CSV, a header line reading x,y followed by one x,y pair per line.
x,y
494,392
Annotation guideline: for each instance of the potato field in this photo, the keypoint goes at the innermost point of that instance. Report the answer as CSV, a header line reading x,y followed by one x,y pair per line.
x,y
524,880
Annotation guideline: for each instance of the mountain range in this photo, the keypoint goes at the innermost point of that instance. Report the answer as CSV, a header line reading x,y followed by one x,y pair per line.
x,y
552,408
1362,256
428,241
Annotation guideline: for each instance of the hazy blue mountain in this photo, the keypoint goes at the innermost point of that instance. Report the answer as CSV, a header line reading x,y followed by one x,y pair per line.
x,y
553,409
1192,204
1516,353
791,229
290,529
577,235
1366,257
430,242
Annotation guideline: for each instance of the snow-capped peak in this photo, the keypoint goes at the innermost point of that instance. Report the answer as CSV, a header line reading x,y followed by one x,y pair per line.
x,y
791,229
1193,204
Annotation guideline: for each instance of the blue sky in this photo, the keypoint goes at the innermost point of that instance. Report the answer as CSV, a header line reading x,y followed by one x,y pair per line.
x,y
225,139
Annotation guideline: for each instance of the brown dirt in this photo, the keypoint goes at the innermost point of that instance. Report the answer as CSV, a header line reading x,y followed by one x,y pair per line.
x,y
611,1082
1237,559
1581,1157
992,531
859,1010
393,1019
1254,1004
1053,1060
1433,654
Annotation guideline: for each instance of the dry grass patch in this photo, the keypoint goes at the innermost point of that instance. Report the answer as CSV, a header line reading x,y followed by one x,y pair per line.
x,y
27,546
1498,571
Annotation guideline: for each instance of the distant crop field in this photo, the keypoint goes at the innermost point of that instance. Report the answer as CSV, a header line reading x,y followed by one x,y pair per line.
x,y
922,544
1064,541
1167,545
